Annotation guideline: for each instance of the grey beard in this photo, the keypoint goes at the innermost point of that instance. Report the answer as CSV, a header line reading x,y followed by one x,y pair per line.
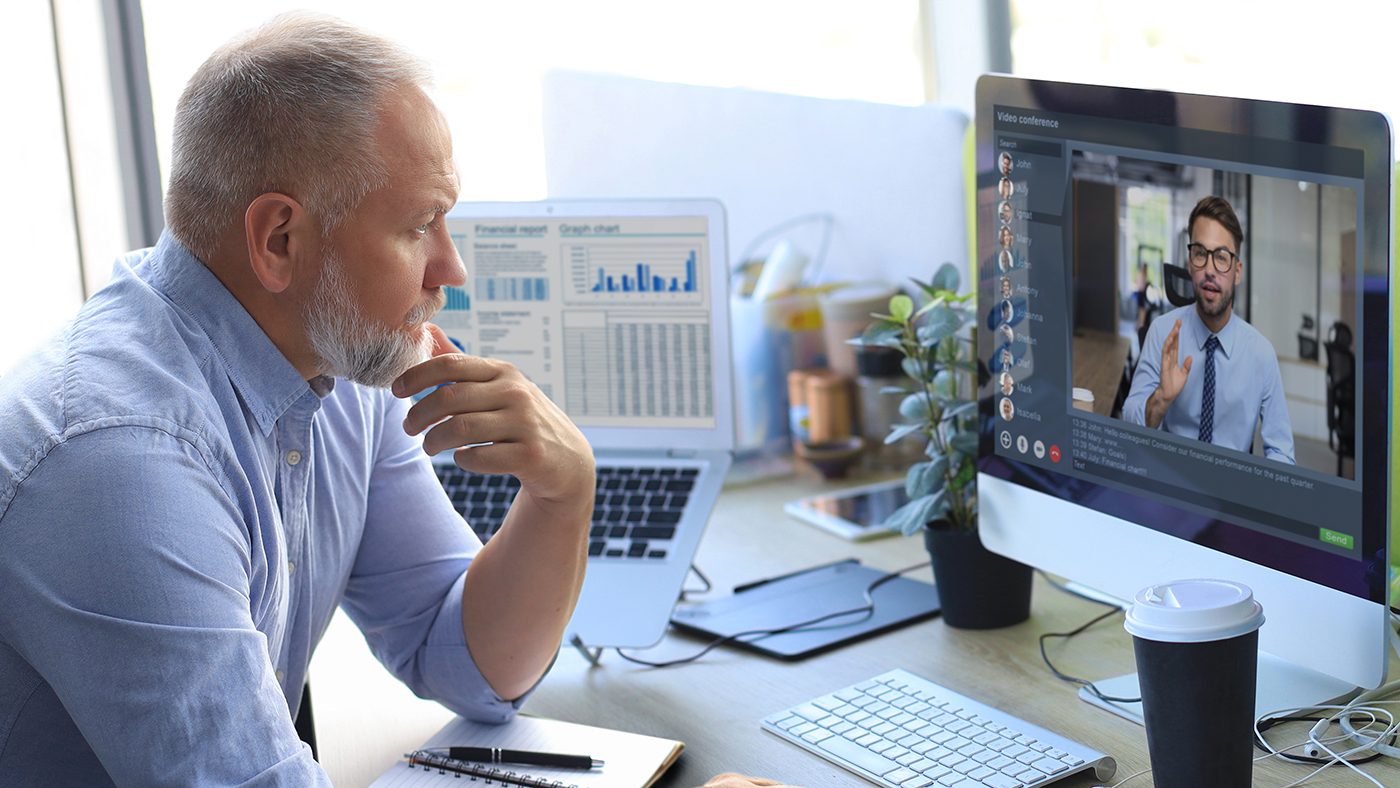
x,y
350,347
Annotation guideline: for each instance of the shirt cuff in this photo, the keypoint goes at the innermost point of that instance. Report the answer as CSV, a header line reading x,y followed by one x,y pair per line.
x,y
451,675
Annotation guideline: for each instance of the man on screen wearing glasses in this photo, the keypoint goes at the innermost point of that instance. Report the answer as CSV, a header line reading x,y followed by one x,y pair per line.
x,y
1204,372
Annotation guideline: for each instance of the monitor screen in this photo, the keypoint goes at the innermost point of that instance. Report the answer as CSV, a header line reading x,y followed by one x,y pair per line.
x,y
1184,313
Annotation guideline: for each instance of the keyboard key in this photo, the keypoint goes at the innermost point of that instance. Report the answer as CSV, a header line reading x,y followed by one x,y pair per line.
x,y
615,554
663,518
598,532
637,550
1002,781
865,759
595,548
689,473
656,554
1049,765
680,486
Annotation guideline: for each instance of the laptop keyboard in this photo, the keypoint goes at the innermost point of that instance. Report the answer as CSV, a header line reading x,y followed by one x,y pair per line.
x,y
635,510
898,729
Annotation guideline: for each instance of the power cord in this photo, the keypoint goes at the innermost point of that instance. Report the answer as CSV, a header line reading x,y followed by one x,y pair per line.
x,y
687,592
1085,683
868,609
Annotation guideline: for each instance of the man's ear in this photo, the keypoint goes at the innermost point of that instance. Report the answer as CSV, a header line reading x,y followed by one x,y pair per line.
x,y
279,233
1239,272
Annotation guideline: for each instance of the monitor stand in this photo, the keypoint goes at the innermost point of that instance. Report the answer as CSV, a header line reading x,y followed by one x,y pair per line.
x,y
1281,685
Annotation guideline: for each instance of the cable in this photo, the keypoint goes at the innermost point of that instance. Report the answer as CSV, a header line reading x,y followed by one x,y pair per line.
x,y
868,609
686,592
1264,724
1085,683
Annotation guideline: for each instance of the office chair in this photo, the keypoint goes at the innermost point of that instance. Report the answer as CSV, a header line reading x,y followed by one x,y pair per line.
x,y
1176,280
1341,393
304,724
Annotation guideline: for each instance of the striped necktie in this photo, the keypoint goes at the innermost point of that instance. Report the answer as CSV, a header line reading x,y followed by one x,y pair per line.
x,y
1208,391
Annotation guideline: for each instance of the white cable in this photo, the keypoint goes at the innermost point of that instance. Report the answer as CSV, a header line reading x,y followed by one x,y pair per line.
x,y
1321,744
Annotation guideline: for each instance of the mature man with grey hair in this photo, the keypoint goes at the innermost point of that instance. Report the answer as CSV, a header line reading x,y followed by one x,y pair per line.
x,y
206,462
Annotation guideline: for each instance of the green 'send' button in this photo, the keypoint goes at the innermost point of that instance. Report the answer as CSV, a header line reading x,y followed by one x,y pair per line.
x,y
1338,539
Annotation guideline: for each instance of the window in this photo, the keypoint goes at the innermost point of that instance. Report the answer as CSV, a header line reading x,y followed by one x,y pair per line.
x,y
40,283
487,58
1342,56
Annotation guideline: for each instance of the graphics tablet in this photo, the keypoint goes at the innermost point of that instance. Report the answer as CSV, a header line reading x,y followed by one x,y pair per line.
x,y
791,599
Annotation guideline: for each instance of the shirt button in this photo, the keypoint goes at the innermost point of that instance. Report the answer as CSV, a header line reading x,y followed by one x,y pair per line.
x,y
280,676
293,457
291,567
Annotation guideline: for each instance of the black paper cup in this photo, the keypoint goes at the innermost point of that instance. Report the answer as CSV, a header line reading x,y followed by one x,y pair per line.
x,y
1196,644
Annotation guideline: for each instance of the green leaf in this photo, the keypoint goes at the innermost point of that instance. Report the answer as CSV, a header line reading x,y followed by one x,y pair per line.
x,y
912,516
925,478
915,407
939,324
947,278
911,368
901,431
901,307
965,442
967,407
880,334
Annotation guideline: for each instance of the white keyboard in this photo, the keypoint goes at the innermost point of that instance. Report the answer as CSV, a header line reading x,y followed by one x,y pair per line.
x,y
901,730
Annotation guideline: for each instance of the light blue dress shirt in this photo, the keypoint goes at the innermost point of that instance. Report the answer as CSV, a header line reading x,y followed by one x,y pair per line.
x,y
1248,386
180,516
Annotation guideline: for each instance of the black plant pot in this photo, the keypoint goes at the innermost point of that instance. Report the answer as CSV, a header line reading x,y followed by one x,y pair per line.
x,y
977,588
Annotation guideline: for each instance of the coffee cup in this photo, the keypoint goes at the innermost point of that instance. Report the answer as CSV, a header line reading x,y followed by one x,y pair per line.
x,y
1196,644
1082,399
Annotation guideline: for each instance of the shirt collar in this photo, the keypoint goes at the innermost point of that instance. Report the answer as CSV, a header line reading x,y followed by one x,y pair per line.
x,y
267,381
1200,333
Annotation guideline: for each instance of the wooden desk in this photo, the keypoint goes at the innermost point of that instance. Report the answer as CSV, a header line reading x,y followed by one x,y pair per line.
x,y
366,719
1098,358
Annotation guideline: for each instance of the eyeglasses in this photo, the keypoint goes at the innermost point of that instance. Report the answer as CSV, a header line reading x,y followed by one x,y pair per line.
x,y
1223,258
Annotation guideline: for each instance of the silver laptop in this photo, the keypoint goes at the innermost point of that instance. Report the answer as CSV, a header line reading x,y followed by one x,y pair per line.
x,y
618,311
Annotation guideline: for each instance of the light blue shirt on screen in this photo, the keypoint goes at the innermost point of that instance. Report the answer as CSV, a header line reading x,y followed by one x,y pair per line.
x,y
1248,385
180,516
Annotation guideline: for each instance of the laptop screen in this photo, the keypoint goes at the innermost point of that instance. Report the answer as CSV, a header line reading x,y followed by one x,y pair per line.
x,y
610,315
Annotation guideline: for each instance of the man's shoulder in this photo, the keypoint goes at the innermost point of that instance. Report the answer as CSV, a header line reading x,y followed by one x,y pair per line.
x,y
127,358
1253,339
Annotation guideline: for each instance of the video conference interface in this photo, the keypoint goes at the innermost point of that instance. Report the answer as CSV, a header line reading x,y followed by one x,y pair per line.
x,y
1191,362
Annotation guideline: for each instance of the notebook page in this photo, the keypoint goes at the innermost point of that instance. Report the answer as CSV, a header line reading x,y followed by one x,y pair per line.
x,y
629,759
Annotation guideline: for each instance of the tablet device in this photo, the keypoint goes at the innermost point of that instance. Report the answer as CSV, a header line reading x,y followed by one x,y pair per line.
x,y
804,596
857,514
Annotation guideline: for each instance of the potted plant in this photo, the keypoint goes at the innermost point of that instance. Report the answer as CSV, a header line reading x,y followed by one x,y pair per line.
x,y
977,588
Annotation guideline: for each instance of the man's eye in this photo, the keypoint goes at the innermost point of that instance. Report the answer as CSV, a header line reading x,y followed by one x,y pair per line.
x,y
422,229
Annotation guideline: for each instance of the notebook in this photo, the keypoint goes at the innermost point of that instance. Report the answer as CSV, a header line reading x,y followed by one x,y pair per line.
x,y
630,760
618,311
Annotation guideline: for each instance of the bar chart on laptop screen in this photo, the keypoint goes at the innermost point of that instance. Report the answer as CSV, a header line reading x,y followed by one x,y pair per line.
x,y
656,271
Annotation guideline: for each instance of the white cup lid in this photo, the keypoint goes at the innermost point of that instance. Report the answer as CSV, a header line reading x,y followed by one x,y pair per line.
x,y
1083,395
1193,611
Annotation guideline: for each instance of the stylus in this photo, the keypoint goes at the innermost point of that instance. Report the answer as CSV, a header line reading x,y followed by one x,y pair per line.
x,y
742,587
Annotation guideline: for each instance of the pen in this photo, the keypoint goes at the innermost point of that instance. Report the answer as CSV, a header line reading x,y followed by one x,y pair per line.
x,y
742,587
498,755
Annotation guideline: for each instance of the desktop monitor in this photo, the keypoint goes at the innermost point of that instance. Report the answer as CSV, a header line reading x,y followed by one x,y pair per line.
x,y
1264,458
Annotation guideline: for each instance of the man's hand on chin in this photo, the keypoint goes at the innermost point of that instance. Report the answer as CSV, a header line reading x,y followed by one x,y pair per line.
x,y
498,422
